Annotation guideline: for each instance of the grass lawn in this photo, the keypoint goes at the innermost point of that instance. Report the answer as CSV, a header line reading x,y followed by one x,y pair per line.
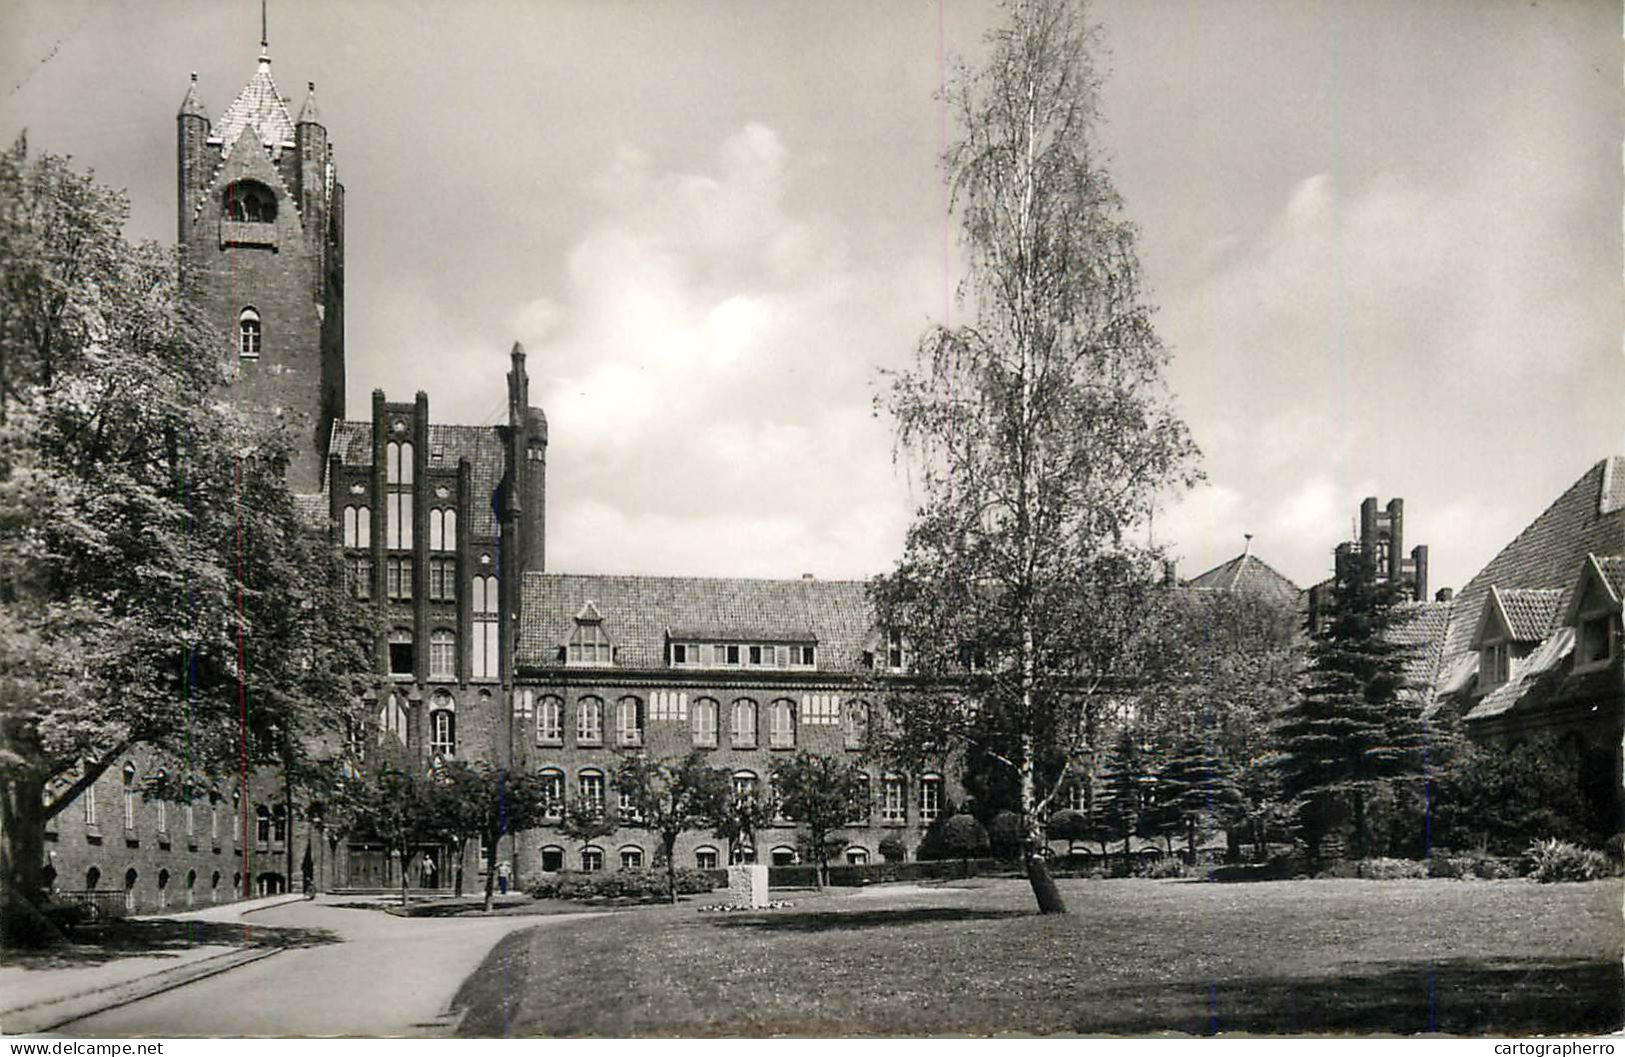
x,y
1133,957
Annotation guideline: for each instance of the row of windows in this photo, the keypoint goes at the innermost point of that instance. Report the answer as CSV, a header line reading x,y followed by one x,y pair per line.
x,y
443,652
271,823
590,786
394,721
591,857
744,715
356,525
737,655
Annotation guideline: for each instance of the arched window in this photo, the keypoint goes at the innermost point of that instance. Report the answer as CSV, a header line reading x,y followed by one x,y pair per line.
x,y
855,723
930,797
130,879
860,813
631,857
392,720
191,885
857,856
442,654
705,858
744,723
442,530
893,802
705,723
592,859
782,724
93,877
129,796
783,856
398,502
744,783
590,721
552,793
592,790
250,202
357,526
398,462
262,827
279,824
249,336
214,887
402,653
629,721
550,721
552,859
442,724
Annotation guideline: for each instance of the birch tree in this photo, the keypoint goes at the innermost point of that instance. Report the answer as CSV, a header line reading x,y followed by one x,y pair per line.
x,y
1038,432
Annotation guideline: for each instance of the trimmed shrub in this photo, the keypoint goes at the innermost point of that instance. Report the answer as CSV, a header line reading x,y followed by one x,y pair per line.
x,y
892,849
1159,869
1466,866
643,885
1552,861
1391,869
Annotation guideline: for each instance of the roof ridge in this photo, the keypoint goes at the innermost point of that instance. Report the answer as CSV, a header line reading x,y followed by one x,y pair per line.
x,y
1530,526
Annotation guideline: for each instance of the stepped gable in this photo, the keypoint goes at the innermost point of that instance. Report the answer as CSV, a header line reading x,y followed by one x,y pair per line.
x,y
482,446
640,613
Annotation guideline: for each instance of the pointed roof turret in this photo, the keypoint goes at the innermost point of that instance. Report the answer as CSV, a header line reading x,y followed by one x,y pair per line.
x,y
308,114
192,106
259,105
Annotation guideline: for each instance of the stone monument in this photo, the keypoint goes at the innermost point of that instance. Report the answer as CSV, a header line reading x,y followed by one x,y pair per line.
x,y
747,886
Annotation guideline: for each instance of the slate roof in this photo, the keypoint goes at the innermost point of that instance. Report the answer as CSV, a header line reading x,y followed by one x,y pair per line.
x,y
482,446
260,105
639,611
1247,572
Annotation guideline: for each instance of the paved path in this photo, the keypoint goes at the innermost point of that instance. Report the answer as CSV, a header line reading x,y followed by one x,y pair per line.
x,y
390,976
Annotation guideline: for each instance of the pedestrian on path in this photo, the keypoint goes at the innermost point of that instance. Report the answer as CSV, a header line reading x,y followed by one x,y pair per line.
x,y
503,870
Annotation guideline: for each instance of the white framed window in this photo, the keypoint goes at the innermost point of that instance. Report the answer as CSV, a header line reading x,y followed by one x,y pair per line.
x,y
629,721
861,806
896,651
893,802
392,720
590,721
589,644
803,656
250,336
782,724
88,797
628,810
443,579
262,827
398,578
161,807
552,793
744,783
550,721
442,654
930,797
357,526
552,859
398,462
705,723
631,858
705,858
398,521
744,723
592,859
1075,799
443,729
483,655
402,653
129,797
592,790
857,856
1495,664
442,530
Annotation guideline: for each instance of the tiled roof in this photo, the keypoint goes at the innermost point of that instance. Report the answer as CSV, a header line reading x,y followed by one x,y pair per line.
x,y
1531,611
1532,678
192,106
482,446
1613,570
259,104
1246,572
638,612
1547,554
312,508
1422,627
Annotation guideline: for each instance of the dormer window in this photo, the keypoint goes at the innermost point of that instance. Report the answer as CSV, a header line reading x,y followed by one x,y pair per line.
x,y
1494,664
1594,644
896,652
588,643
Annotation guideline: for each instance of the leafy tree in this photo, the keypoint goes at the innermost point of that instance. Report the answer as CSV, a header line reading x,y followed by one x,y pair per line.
x,y
892,848
157,584
487,802
822,794
1352,731
669,798
964,838
743,812
397,806
1500,799
1040,431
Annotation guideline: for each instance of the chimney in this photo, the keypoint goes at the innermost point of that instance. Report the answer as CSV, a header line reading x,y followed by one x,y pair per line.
x,y
1419,563
808,576
1445,594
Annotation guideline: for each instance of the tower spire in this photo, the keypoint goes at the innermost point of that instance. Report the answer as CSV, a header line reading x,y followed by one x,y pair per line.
x,y
265,38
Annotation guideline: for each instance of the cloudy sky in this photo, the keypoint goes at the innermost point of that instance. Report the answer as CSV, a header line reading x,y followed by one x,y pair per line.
x,y
1384,239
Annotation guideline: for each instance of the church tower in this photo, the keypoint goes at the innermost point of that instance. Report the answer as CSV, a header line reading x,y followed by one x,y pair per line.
x,y
261,237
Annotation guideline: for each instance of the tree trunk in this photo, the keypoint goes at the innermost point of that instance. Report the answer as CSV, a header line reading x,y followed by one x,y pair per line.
x,y
22,863
457,868
1361,845
1043,885
670,841
490,869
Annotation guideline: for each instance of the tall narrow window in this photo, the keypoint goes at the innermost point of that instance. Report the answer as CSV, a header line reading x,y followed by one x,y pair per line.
x,y
392,720
592,791
550,721
860,812
484,654
357,526
442,654
402,653
744,723
262,827
443,728
279,824
896,651
590,721
855,723
930,797
89,799
893,805
398,578
398,503
443,579
782,731
705,723
629,721
249,336
358,570
442,530
129,797
552,793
